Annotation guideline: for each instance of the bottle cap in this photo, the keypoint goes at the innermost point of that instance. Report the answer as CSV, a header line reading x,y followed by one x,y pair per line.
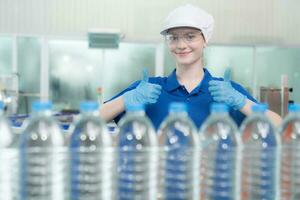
x,y
177,107
89,106
136,107
219,107
41,106
259,107
294,108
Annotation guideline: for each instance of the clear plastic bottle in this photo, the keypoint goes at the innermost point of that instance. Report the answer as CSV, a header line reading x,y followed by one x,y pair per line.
x,y
220,152
289,133
8,159
137,144
92,156
260,156
178,151
43,157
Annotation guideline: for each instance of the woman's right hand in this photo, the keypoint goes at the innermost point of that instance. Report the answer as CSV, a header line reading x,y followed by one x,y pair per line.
x,y
144,93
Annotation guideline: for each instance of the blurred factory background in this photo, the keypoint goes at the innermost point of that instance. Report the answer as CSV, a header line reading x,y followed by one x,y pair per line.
x,y
45,51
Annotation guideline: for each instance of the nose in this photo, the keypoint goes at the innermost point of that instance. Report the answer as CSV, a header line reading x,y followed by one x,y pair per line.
x,y
180,44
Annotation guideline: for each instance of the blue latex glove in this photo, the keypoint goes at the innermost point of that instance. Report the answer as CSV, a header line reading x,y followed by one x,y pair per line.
x,y
144,93
223,92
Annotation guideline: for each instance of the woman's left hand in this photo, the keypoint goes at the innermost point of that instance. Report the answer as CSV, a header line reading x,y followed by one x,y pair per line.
x,y
223,92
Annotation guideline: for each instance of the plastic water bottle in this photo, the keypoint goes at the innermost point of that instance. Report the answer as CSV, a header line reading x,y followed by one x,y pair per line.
x,y
91,156
8,159
260,154
220,152
43,157
289,133
178,143
137,156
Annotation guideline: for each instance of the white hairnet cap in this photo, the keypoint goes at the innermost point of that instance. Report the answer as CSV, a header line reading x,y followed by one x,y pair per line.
x,y
190,16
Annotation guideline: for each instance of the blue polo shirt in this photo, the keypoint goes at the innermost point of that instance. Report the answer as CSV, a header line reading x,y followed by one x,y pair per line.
x,y
198,100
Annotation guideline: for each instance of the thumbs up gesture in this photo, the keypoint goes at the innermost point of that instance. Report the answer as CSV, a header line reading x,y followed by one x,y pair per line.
x,y
223,92
144,93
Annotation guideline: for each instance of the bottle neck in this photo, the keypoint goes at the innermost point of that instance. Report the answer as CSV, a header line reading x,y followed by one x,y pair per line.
x,y
292,116
294,113
42,113
258,114
90,113
219,113
136,112
181,113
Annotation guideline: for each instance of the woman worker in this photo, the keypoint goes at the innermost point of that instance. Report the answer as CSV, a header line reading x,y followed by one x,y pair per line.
x,y
187,30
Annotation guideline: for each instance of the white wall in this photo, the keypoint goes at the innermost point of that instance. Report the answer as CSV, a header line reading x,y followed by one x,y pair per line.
x,y
237,21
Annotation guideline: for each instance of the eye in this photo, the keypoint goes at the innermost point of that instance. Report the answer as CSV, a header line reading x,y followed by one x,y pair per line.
x,y
172,37
190,37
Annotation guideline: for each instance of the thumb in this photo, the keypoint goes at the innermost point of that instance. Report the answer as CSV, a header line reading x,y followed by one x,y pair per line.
x,y
145,75
227,75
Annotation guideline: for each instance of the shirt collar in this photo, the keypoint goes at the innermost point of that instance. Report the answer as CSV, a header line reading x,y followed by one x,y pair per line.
x,y
172,82
203,85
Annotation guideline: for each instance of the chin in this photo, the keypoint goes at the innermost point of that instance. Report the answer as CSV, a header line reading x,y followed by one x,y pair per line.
x,y
185,61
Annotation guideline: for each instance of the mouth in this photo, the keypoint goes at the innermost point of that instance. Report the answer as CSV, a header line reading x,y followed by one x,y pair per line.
x,y
183,53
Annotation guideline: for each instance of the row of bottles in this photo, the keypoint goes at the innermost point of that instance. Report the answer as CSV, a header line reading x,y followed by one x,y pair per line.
x,y
219,162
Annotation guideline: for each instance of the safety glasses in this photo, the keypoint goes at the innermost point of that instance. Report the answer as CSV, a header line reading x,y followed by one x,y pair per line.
x,y
172,38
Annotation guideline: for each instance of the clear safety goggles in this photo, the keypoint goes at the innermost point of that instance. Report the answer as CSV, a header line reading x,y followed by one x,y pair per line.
x,y
187,37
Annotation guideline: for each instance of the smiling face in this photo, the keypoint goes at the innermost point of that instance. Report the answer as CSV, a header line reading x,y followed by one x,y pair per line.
x,y
186,45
